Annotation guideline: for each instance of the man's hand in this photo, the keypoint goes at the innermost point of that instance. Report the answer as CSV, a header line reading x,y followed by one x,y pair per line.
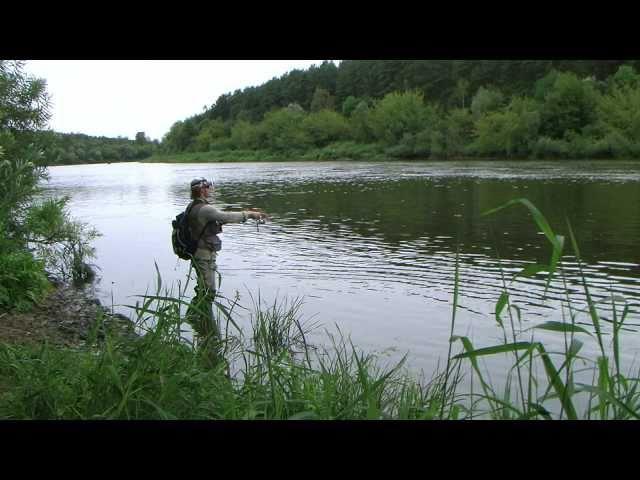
x,y
256,214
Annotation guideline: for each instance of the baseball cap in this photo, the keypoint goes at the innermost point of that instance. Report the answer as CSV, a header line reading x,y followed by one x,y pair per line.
x,y
201,182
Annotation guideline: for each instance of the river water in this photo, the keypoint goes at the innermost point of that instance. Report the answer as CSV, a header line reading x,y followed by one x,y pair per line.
x,y
371,247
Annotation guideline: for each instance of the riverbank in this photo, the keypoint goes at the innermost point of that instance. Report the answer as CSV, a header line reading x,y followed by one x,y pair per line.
x,y
347,151
340,152
64,318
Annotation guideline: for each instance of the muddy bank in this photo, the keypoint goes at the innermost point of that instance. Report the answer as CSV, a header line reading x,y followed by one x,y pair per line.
x,y
65,318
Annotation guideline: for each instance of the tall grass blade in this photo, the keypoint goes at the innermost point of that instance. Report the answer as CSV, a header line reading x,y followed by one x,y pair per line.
x,y
502,301
557,241
540,220
504,348
558,386
532,269
593,313
561,327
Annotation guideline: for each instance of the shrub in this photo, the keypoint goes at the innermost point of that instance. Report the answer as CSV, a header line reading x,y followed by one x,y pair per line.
x,y
398,114
22,280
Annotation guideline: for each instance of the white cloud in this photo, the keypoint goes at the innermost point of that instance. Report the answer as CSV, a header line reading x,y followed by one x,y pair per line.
x,y
121,97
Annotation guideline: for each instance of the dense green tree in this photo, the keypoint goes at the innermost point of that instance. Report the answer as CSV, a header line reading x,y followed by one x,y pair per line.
x,y
324,76
508,132
325,126
180,137
211,131
23,98
349,105
486,100
283,130
462,90
24,109
245,135
458,131
625,76
322,100
569,105
141,138
397,114
360,123
619,112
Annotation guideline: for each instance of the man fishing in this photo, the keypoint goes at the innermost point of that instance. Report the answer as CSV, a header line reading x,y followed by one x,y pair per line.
x,y
205,222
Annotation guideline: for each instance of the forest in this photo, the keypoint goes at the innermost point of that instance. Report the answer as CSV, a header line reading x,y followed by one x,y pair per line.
x,y
425,109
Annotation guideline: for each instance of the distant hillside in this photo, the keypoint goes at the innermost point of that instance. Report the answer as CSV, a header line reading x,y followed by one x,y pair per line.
x,y
444,85
438,80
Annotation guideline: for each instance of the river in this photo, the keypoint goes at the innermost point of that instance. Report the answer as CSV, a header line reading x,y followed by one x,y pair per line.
x,y
371,247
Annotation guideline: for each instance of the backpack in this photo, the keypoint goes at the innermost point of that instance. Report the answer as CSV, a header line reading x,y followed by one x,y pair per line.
x,y
184,246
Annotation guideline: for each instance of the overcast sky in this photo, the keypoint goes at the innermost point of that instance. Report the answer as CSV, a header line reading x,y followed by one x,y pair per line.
x,y
121,97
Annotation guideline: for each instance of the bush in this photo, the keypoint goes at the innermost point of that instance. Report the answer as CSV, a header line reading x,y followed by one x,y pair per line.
x,y
360,123
211,131
62,244
620,111
344,151
349,105
325,126
22,280
283,130
404,149
222,144
458,127
245,135
546,147
510,132
625,76
486,100
422,146
398,114
569,105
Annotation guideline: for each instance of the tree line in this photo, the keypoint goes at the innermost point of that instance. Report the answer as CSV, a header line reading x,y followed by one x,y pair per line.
x,y
536,109
77,148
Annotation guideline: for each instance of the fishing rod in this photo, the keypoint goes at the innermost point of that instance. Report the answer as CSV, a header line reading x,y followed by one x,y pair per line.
x,y
259,221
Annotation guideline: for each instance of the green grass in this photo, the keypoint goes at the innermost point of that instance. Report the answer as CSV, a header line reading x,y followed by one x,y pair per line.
x,y
271,371
272,374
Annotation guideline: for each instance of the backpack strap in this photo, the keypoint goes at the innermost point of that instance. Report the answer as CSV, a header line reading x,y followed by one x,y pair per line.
x,y
188,211
200,203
